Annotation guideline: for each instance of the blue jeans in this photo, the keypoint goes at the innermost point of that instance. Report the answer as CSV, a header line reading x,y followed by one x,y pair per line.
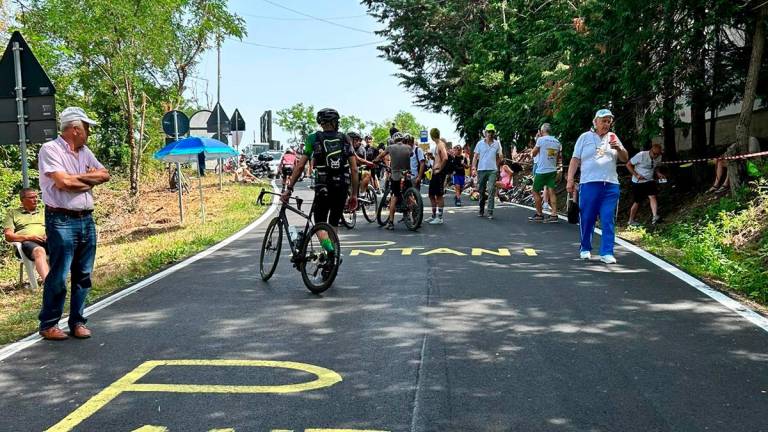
x,y
486,179
598,198
71,246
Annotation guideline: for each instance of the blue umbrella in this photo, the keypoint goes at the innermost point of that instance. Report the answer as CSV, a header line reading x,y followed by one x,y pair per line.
x,y
187,149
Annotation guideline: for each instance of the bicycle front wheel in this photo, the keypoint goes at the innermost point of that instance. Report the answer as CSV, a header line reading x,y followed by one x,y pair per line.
x,y
382,210
320,264
369,206
270,249
414,209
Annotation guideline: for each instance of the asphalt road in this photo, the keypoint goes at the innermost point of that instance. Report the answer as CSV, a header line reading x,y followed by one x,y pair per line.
x,y
474,325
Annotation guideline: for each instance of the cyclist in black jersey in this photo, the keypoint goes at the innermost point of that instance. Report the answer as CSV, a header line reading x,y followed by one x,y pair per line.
x,y
334,159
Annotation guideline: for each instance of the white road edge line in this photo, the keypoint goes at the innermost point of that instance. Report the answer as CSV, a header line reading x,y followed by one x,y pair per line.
x,y
30,340
735,306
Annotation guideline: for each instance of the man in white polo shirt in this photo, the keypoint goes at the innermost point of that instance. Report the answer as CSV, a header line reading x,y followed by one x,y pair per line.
x,y
644,166
597,152
485,164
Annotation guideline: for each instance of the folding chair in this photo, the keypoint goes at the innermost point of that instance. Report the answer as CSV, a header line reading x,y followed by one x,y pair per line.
x,y
25,264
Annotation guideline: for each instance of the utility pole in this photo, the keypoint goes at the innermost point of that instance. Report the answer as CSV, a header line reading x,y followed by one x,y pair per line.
x,y
218,111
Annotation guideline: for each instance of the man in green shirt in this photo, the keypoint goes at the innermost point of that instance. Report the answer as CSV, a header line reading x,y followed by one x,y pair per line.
x,y
26,225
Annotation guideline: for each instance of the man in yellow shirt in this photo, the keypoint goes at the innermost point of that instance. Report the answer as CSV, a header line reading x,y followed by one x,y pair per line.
x,y
26,225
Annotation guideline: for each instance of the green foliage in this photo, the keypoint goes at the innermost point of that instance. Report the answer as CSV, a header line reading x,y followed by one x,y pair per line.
x,y
518,63
298,120
726,241
126,62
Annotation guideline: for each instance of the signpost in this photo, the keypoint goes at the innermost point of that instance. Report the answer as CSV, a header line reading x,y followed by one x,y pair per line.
x,y
218,123
176,123
238,126
424,136
27,104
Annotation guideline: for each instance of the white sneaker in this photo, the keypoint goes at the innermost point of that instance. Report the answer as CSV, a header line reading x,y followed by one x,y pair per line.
x,y
436,221
431,219
547,208
608,259
585,255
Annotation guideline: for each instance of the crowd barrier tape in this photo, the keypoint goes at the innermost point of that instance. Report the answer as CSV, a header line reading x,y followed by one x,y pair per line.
x,y
685,161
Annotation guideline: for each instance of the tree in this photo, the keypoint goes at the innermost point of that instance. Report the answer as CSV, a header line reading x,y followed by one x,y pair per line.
x,y
120,50
351,123
298,120
750,88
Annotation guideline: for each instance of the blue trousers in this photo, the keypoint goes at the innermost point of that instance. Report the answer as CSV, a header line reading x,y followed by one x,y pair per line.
x,y
598,198
71,247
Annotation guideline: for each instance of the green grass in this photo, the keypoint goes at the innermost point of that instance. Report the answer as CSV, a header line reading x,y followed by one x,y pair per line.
x,y
725,242
121,263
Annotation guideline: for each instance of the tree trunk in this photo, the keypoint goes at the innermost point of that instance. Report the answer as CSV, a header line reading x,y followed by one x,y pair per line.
x,y
714,105
698,82
745,118
133,173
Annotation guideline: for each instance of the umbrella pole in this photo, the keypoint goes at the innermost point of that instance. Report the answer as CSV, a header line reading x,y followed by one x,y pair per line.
x,y
180,186
221,172
202,203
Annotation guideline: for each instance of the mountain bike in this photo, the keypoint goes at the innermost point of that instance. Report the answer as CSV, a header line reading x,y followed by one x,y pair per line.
x,y
317,264
367,204
411,206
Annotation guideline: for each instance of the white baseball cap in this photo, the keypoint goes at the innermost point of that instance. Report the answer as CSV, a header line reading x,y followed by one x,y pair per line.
x,y
71,114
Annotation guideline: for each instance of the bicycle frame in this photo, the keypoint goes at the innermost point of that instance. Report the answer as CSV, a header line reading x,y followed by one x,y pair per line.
x,y
283,219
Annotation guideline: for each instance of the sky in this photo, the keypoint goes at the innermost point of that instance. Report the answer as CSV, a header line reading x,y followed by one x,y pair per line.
x,y
355,81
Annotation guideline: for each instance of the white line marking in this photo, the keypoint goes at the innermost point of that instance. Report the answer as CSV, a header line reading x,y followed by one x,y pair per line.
x,y
734,305
30,340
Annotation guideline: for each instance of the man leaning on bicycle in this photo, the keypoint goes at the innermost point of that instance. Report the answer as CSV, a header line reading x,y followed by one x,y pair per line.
x,y
333,157
400,163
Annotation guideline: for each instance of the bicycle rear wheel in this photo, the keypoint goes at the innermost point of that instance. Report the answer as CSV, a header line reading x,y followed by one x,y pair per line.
x,y
414,209
320,265
382,210
270,249
369,207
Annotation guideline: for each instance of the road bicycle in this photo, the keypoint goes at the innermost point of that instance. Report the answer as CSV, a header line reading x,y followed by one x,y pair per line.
x,y
367,204
317,264
411,206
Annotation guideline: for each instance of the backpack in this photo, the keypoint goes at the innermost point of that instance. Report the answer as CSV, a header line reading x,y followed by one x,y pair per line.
x,y
329,155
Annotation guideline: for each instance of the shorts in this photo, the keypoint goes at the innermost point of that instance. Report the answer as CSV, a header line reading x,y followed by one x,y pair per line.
x,y
541,180
437,185
641,191
397,192
28,246
287,170
329,203
506,183
458,180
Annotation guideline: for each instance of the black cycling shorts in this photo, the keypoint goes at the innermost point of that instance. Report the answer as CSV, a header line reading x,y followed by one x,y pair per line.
x,y
394,187
437,185
287,171
329,203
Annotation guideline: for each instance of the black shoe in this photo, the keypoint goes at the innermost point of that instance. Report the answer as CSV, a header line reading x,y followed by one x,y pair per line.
x,y
390,226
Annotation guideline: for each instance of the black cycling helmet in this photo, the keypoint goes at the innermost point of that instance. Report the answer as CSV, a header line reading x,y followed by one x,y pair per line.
x,y
407,138
367,137
397,136
354,135
327,115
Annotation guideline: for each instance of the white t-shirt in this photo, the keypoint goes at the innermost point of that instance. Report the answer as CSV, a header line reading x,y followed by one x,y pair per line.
x,y
487,155
645,165
598,159
546,160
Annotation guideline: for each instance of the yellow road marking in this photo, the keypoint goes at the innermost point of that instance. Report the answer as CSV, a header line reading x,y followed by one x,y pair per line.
x,y
406,250
342,430
530,252
501,252
325,378
151,429
356,252
370,243
222,430
443,251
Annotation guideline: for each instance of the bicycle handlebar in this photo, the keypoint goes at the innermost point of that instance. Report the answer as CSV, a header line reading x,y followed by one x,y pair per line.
x,y
260,199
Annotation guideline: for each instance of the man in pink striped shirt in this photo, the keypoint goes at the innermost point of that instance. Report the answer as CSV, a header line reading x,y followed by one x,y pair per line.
x,y
68,173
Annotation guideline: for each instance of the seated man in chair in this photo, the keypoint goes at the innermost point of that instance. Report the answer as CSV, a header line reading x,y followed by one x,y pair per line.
x,y
26,225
